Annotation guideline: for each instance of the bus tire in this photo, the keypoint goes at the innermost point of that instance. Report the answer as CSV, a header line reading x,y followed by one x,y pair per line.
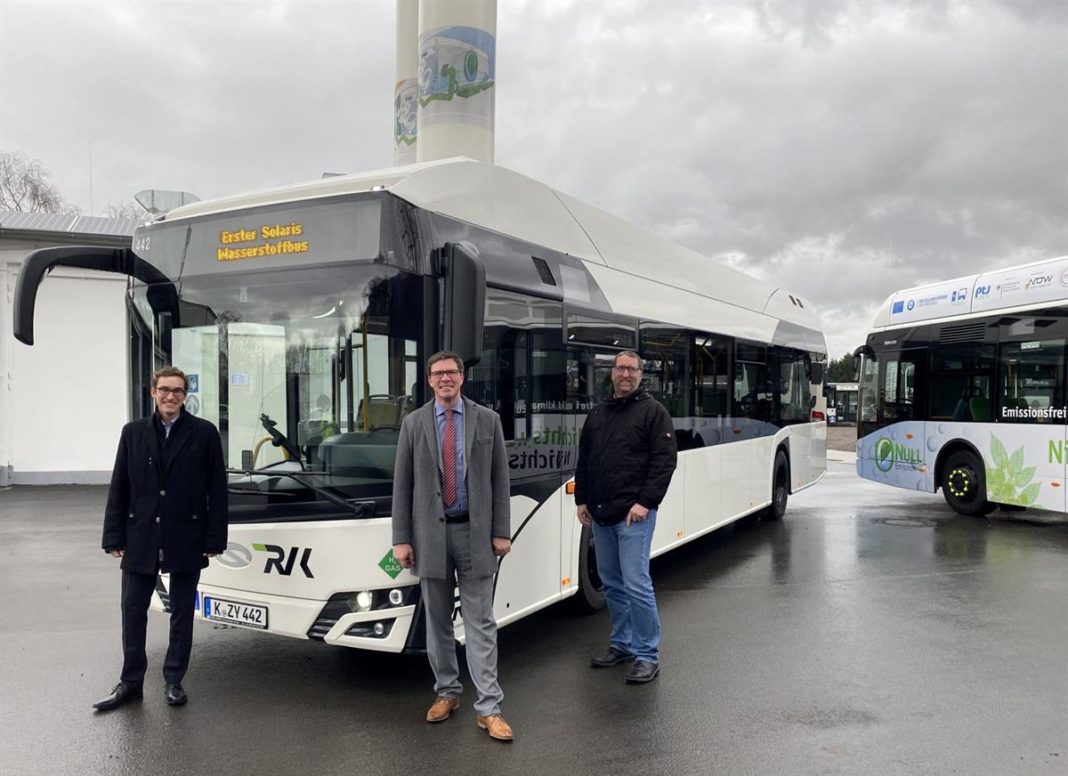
x,y
780,488
964,484
590,595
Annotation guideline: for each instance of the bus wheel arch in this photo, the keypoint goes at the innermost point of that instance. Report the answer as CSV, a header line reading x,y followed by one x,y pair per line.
x,y
961,474
780,484
590,595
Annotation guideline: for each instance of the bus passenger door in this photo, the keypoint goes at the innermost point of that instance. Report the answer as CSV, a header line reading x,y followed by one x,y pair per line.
x,y
1028,448
519,375
708,491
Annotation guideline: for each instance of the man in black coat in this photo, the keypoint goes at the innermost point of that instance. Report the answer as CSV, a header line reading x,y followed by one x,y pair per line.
x,y
627,454
166,512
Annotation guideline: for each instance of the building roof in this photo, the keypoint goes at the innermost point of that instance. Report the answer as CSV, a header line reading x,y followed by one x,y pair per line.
x,y
67,224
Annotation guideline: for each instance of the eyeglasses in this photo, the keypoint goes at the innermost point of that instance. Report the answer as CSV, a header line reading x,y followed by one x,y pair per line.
x,y
440,373
163,390
627,370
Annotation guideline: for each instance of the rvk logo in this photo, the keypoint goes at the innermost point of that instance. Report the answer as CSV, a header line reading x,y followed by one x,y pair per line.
x,y
279,554
959,296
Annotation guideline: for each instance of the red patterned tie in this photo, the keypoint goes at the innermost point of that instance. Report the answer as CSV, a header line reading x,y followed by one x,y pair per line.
x,y
448,458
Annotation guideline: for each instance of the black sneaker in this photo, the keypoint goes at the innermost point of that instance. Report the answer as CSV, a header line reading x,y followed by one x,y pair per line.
x,y
642,671
613,657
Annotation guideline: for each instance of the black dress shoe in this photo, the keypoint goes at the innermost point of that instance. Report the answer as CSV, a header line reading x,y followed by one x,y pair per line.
x,y
175,695
613,657
642,671
123,692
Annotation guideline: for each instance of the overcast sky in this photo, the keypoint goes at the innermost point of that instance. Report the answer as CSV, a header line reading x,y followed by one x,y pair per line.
x,y
841,149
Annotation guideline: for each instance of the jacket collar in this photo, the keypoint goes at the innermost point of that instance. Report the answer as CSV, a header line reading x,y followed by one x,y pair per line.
x,y
430,428
179,435
638,394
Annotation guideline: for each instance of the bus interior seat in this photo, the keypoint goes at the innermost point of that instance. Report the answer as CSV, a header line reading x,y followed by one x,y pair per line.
x,y
384,410
980,409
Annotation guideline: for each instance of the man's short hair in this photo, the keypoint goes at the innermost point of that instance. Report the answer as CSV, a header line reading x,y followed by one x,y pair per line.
x,y
170,371
444,355
632,354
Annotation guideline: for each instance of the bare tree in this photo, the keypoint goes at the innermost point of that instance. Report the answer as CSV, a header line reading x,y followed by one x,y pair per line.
x,y
126,210
25,187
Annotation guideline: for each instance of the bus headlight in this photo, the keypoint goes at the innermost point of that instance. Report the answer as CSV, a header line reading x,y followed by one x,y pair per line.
x,y
396,597
363,601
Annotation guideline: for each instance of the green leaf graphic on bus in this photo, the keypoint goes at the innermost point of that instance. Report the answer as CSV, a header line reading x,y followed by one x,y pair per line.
x,y
1008,480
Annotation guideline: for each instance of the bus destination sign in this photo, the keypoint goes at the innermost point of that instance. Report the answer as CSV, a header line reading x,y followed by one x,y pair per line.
x,y
275,237
265,240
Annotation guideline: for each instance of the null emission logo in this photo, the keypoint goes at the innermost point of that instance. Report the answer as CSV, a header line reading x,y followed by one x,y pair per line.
x,y
279,554
890,455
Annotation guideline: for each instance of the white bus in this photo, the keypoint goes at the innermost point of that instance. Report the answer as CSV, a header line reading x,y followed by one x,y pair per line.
x,y
962,388
841,402
304,317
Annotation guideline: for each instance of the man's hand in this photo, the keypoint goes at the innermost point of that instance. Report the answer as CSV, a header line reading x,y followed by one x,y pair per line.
x,y
636,514
404,555
501,546
584,515
117,553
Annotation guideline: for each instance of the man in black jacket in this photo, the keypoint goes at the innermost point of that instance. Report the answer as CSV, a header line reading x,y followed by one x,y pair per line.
x,y
626,458
166,512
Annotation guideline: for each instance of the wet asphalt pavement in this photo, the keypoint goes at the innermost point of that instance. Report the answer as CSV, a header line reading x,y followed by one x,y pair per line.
x,y
871,632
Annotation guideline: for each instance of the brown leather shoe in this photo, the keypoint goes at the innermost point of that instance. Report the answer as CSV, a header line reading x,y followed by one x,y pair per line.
x,y
495,725
442,709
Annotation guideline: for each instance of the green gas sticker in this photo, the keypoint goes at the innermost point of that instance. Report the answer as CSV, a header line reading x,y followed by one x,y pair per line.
x,y
391,565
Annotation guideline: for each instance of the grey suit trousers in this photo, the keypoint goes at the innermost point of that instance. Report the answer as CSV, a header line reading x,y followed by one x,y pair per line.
x,y
480,629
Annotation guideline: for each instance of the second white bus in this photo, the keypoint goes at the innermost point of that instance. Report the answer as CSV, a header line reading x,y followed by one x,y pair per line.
x,y
962,388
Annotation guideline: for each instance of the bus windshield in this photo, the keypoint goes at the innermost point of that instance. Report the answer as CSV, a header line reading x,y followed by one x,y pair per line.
x,y
306,373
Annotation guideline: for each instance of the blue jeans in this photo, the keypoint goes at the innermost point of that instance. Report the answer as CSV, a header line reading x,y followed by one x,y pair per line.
x,y
623,565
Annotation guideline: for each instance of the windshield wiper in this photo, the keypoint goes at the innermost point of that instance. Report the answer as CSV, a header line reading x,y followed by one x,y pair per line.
x,y
278,439
358,508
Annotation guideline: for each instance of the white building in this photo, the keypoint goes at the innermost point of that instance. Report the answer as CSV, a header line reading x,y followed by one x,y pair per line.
x,y
63,401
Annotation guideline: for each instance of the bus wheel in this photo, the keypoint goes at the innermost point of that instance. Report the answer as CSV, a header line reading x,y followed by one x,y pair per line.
x,y
964,484
780,488
590,595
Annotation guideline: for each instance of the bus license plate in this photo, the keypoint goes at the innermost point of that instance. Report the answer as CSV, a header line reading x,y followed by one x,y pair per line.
x,y
235,612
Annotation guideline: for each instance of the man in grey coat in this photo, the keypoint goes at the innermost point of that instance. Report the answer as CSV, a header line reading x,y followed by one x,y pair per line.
x,y
451,516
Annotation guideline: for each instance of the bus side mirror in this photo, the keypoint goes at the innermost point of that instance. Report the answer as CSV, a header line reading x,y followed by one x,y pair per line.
x,y
36,265
868,353
165,322
465,301
816,372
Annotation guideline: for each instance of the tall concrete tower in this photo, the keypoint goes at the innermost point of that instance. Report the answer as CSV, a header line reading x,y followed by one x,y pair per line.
x,y
406,89
457,72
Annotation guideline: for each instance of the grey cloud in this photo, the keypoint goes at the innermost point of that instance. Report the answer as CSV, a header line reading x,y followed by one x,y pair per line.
x,y
844,149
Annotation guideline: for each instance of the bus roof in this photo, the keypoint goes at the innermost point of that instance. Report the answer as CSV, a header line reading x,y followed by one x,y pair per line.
x,y
1032,285
617,254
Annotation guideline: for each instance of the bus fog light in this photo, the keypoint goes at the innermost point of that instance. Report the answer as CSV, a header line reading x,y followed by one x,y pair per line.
x,y
363,601
379,629
396,597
